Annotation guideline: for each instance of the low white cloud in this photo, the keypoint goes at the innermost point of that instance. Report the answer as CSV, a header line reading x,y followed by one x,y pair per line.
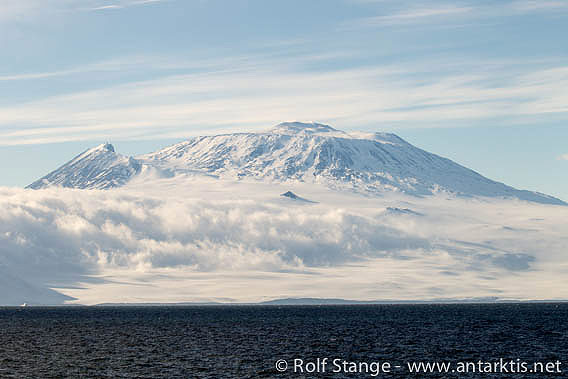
x,y
96,230
86,242
563,157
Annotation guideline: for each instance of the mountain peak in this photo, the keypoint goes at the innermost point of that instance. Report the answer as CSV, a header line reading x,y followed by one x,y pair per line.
x,y
108,147
363,162
293,196
297,127
290,194
100,167
103,147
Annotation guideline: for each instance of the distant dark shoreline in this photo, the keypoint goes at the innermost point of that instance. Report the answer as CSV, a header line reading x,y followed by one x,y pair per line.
x,y
305,302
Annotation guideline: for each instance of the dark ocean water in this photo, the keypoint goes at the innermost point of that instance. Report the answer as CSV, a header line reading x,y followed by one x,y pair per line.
x,y
246,341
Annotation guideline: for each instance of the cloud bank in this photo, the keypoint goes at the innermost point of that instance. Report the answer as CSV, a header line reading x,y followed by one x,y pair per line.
x,y
91,230
75,241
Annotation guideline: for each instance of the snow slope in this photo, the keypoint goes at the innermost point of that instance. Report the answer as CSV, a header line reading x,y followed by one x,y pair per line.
x,y
369,163
97,168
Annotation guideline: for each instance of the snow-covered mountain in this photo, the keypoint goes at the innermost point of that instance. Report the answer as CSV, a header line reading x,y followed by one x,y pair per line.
x,y
97,168
369,163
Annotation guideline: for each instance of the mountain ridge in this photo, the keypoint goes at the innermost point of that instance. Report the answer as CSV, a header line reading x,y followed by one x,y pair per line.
x,y
100,167
369,163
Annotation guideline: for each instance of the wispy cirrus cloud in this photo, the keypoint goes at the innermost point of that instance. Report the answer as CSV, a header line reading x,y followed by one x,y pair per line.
x,y
265,91
16,9
121,4
414,16
537,5
104,7
11,10
433,12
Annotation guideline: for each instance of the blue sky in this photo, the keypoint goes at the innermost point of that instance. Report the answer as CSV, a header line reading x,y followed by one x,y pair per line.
x,y
484,83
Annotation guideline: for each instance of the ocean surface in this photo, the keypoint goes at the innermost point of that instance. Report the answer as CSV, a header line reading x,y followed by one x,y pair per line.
x,y
248,341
